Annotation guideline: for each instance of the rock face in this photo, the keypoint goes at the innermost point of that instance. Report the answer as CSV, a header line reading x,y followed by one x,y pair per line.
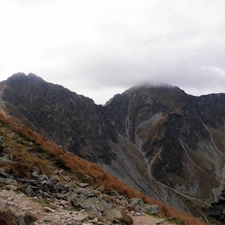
x,y
173,140
66,118
159,140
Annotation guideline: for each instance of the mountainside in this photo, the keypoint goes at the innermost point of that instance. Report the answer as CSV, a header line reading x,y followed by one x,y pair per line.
x,y
158,140
44,184
66,118
175,144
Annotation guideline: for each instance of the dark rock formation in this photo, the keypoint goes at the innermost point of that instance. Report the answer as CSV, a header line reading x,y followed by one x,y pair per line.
x,y
64,117
2,139
159,140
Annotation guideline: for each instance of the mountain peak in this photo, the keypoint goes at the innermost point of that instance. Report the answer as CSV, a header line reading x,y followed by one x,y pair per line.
x,y
156,138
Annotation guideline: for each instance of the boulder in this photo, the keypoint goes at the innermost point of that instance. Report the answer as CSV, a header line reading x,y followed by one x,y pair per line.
x,y
43,177
81,216
137,202
25,218
35,175
111,214
3,173
100,188
83,185
55,179
113,193
94,204
150,209
29,192
11,187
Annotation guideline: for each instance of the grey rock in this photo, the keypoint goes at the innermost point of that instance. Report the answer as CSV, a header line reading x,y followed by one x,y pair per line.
x,y
95,220
8,181
74,202
3,173
55,179
36,169
60,196
113,193
94,204
5,158
11,187
46,185
92,193
29,192
81,191
95,214
152,209
47,209
123,202
83,185
74,222
100,188
81,217
35,175
43,177
137,202
111,214
161,221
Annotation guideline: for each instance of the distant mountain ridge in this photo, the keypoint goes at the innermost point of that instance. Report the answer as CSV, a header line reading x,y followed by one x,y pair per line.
x,y
159,140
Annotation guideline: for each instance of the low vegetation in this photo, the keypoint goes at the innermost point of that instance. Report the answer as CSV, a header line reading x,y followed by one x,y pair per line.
x,y
32,149
7,218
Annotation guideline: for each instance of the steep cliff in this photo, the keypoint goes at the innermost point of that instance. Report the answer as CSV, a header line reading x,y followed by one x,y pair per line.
x,y
64,117
174,144
159,140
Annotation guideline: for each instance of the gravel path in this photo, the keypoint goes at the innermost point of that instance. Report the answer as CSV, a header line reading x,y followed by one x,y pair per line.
x,y
149,220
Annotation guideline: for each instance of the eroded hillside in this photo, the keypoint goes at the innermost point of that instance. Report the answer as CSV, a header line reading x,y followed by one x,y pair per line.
x,y
43,184
174,143
158,140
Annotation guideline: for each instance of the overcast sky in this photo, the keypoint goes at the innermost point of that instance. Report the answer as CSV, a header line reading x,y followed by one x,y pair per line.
x,y
102,47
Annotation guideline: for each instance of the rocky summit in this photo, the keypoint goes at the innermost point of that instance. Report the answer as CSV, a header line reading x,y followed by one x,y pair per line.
x,y
157,139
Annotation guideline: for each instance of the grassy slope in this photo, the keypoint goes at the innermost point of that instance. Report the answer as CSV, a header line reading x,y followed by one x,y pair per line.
x,y
47,156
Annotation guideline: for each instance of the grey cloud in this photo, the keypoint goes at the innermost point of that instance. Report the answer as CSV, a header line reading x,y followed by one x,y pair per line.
x,y
98,49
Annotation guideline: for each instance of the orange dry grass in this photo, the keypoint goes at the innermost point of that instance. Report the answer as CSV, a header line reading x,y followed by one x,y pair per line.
x,y
79,165
18,169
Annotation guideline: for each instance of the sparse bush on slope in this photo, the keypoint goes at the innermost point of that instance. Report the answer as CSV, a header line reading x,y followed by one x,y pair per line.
x,y
7,218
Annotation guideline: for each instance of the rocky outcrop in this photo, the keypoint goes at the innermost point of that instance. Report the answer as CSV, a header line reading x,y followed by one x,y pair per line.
x,y
45,200
159,140
70,120
174,141
216,209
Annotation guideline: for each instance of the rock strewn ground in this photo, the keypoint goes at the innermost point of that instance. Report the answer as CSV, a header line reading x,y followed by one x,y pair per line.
x,y
23,206
48,201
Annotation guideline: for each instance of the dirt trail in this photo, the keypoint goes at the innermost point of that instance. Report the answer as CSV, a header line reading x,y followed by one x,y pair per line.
x,y
149,220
